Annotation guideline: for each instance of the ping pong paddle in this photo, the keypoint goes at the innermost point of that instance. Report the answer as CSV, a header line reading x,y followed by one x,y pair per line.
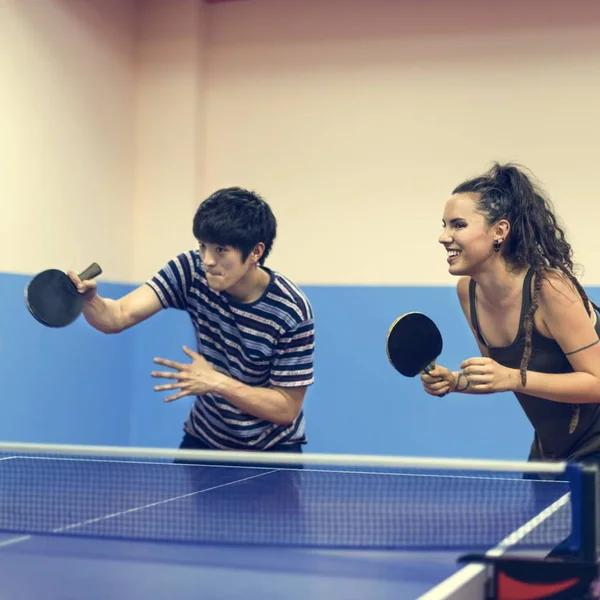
x,y
52,298
413,344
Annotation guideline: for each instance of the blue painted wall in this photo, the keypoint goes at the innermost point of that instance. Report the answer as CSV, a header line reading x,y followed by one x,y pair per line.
x,y
71,385
361,402
154,422
79,386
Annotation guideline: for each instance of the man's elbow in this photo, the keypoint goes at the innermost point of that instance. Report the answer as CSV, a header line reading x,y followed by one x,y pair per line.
x,y
290,408
285,417
117,324
121,325
112,330
288,415
107,329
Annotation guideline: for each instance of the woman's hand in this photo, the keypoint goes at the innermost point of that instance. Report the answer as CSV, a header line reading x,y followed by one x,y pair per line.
x,y
438,381
485,376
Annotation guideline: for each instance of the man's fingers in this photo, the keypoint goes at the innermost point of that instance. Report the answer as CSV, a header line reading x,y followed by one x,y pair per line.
x,y
166,374
191,353
166,386
169,363
82,286
176,396
74,277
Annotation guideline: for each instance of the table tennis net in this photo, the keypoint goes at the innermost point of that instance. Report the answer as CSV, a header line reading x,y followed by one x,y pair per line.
x,y
318,501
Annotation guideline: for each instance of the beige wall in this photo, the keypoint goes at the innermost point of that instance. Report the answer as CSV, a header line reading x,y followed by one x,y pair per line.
x,y
355,118
66,141
169,115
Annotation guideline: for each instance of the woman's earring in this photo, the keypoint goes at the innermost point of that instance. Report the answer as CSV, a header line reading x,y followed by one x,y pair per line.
x,y
497,244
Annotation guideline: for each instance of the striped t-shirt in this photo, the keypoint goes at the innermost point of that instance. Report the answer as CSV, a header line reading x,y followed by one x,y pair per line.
x,y
269,342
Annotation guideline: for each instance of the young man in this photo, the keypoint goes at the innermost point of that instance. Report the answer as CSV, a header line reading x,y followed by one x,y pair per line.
x,y
254,329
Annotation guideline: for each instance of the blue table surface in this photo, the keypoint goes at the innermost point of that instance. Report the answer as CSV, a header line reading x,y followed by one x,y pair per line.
x,y
95,569
292,515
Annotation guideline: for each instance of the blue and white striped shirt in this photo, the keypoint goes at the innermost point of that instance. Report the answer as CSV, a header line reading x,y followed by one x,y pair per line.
x,y
269,342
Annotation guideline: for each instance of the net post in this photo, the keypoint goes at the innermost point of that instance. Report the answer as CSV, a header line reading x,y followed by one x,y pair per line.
x,y
585,509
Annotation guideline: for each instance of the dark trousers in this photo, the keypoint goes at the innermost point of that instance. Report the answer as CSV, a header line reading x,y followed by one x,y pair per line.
x,y
269,495
593,459
191,442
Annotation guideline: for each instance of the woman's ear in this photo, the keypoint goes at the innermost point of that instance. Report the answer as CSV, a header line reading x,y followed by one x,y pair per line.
x,y
502,229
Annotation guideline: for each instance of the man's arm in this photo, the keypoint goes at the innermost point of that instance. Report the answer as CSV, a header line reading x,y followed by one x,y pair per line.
x,y
113,316
281,402
277,405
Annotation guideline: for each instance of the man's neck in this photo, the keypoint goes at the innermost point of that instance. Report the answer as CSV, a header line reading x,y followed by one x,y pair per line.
x,y
251,287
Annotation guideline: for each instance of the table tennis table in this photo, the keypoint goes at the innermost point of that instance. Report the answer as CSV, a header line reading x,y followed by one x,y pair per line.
x,y
95,523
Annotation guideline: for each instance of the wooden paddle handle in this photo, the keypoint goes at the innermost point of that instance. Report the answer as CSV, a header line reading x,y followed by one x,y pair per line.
x,y
428,368
92,271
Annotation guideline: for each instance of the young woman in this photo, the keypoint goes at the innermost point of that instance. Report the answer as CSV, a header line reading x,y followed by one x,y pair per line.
x,y
537,330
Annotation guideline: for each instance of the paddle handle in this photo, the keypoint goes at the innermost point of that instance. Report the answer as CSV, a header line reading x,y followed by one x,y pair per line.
x,y
91,272
427,369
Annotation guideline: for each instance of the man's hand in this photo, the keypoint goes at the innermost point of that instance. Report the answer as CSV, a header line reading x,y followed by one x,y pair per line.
x,y
87,287
193,379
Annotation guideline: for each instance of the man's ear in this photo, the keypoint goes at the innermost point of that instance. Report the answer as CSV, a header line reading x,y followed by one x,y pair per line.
x,y
256,253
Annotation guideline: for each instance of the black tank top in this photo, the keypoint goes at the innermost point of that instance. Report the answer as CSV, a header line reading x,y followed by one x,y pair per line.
x,y
562,431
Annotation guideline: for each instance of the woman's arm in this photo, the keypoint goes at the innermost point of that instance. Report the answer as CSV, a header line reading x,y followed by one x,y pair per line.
x,y
564,314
